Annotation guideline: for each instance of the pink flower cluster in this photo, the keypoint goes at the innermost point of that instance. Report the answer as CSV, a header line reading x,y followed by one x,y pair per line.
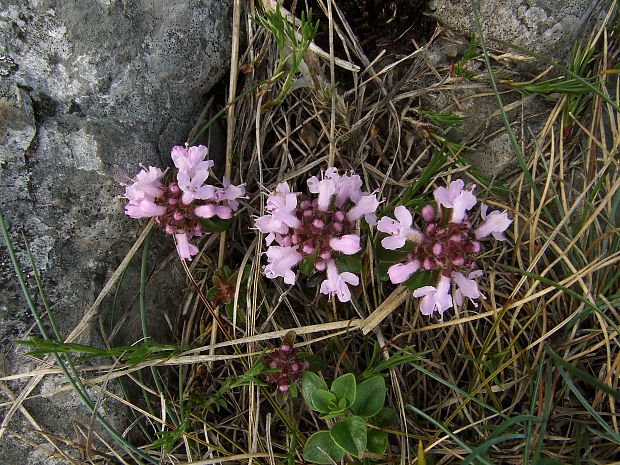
x,y
447,243
287,366
320,229
179,206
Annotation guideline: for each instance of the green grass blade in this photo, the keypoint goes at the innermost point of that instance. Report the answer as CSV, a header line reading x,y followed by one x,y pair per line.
x,y
611,434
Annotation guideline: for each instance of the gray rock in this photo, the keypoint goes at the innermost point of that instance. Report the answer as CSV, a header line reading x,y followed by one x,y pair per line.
x,y
548,27
88,90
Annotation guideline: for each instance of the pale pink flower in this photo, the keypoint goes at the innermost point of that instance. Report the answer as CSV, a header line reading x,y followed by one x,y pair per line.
x,y
190,158
456,198
467,287
345,187
185,249
231,193
282,205
326,190
348,187
280,262
365,206
318,225
435,298
400,272
142,194
144,209
193,186
337,283
270,226
400,230
178,207
495,223
149,182
348,244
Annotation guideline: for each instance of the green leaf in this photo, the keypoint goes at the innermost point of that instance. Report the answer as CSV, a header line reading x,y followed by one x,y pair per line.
x,y
324,401
344,387
310,383
350,263
211,293
419,279
377,441
391,256
321,448
370,397
292,390
351,435
215,224
306,266
386,417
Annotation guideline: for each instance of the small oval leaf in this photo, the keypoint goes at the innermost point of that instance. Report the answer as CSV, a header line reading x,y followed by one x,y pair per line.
x,y
321,448
377,441
370,397
351,435
310,383
344,387
386,417
324,401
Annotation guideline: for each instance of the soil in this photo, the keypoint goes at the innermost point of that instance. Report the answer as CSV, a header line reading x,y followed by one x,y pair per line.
x,y
379,24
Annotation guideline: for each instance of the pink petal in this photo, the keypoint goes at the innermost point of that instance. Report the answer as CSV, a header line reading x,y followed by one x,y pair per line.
x,y
443,299
393,242
187,197
268,224
367,204
207,192
144,209
403,216
348,187
223,211
445,197
350,278
442,197
456,188
438,298
286,217
327,188
313,184
196,154
388,225
427,305
178,157
281,260
183,179
185,249
463,202
495,223
400,272
348,244
205,211
424,290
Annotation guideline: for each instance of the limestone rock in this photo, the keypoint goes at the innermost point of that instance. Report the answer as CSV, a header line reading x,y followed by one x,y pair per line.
x,y
88,90
548,27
